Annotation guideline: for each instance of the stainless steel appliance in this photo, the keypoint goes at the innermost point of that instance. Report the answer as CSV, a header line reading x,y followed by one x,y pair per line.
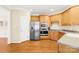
x,y
44,29
35,30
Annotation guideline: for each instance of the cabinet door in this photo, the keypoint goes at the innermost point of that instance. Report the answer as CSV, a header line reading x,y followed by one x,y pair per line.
x,y
66,18
54,36
44,38
51,36
56,18
74,15
45,19
34,18
71,16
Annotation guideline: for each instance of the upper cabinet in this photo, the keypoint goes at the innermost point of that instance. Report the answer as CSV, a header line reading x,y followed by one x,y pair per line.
x,y
41,18
66,18
34,18
71,16
56,18
74,15
45,19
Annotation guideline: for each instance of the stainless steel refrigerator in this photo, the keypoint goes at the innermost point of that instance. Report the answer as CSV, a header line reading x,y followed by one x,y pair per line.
x,y
35,30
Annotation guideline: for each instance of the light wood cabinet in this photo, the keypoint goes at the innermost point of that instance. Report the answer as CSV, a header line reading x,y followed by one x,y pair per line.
x,y
71,16
55,35
45,19
44,37
74,15
66,18
35,18
56,18
67,49
42,19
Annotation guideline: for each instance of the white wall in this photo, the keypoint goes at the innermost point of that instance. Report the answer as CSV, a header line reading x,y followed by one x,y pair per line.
x,y
20,26
5,17
25,26
15,26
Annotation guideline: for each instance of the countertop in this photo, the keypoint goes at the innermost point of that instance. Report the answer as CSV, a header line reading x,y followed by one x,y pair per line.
x,y
71,37
70,40
67,29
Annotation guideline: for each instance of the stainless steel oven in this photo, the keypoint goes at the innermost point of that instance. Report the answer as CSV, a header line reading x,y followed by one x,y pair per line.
x,y
44,29
43,33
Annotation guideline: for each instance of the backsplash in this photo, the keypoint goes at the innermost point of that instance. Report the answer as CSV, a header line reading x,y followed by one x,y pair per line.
x,y
72,27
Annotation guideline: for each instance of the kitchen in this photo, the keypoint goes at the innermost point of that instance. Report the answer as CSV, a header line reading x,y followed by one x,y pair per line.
x,y
62,28
40,28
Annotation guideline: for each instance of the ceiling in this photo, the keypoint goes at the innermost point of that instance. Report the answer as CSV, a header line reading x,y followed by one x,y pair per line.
x,y
41,9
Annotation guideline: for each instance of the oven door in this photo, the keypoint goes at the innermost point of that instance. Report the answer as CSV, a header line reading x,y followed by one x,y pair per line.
x,y
44,33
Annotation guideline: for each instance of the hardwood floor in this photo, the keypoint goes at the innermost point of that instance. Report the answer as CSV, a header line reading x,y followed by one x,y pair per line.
x,y
3,45
42,46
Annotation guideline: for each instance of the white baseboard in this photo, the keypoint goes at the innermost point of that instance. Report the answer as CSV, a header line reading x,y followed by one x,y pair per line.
x,y
17,41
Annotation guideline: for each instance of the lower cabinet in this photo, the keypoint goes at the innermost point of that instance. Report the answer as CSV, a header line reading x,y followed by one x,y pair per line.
x,y
44,37
55,35
67,49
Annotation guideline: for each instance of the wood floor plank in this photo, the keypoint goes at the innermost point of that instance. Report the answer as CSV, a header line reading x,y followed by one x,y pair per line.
x,y
44,46
41,46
